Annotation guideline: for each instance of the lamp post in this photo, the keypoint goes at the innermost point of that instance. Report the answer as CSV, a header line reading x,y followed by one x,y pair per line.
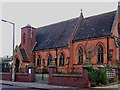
x,y
13,67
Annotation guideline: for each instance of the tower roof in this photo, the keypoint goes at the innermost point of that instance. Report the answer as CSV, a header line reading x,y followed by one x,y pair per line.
x,y
28,26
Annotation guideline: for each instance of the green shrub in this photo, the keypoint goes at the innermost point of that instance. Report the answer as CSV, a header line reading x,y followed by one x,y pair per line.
x,y
96,75
102,77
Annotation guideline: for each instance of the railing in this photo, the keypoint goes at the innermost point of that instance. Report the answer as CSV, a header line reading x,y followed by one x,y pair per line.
x,y
20,70
5,70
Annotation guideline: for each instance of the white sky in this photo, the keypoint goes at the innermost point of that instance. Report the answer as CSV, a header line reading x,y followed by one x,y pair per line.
x,y
40,14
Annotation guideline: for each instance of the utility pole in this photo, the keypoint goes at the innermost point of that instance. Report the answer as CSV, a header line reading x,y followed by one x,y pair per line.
x,y
13,64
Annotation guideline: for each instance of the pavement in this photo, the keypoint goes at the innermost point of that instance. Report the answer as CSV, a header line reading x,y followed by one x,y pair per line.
x,y
34,85
41,86
116,86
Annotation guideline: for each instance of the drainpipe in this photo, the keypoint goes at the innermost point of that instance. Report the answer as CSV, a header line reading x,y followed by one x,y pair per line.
x,y
56,57
119,23
107,49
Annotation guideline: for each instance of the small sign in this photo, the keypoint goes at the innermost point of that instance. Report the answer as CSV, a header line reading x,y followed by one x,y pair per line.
x,y
29,71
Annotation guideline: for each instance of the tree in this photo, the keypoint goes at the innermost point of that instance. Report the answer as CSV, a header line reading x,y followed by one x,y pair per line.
x,y
89,53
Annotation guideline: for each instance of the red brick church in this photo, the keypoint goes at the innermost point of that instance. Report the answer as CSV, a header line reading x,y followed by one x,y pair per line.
x,y
71,42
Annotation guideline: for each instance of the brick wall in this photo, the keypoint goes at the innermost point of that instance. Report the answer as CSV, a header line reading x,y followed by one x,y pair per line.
x,y
6,76
74,81
44,55
25,77
21,77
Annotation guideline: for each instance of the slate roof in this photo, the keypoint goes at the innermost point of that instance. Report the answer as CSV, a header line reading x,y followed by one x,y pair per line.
x,y
59,34
24,55
95,26
56,35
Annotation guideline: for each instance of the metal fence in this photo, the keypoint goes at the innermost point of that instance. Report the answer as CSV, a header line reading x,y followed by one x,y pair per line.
x,y
5,68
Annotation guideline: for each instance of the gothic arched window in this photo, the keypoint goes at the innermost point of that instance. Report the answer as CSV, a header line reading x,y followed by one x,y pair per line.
x,y
100,54
39,61
49,59
24,38
80,55
61,59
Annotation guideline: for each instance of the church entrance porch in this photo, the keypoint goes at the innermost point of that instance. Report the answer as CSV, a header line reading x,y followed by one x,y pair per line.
x,y
17,65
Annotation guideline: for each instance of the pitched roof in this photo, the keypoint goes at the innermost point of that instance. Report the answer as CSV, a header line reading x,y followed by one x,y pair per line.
x,y
59,34
95,26
55,35
24,55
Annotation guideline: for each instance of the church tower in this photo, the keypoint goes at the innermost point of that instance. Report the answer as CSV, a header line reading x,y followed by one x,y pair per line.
x,y
28,40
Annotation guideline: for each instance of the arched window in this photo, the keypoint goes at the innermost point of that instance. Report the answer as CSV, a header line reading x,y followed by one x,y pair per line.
x,y
49,59
100,54
61,59
24,38
39,61
80,55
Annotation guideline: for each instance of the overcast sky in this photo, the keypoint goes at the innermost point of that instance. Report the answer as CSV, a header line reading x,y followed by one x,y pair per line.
x,y
40,14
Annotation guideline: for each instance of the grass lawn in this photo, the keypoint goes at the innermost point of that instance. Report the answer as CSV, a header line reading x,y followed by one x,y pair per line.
x,y
40,75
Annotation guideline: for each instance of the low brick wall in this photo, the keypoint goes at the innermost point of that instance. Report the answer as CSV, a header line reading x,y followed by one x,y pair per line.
x,y
24,77
20,77
6,76
69,80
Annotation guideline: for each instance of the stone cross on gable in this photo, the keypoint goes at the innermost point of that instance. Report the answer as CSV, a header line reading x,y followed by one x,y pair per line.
x,y
81,10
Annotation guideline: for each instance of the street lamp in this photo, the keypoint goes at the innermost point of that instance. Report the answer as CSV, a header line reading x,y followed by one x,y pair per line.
x,y
13,67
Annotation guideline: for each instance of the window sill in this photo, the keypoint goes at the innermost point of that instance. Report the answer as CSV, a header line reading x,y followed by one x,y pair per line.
x,y
80,63
61,65
100,63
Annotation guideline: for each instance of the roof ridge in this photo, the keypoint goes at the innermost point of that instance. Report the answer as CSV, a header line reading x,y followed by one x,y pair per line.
x,y
76,18
59,22
100,14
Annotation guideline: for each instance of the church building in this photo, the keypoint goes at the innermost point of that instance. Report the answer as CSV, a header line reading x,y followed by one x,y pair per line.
x,y
70,43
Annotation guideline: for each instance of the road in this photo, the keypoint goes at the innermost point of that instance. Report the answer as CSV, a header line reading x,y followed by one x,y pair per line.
x,y
11,87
